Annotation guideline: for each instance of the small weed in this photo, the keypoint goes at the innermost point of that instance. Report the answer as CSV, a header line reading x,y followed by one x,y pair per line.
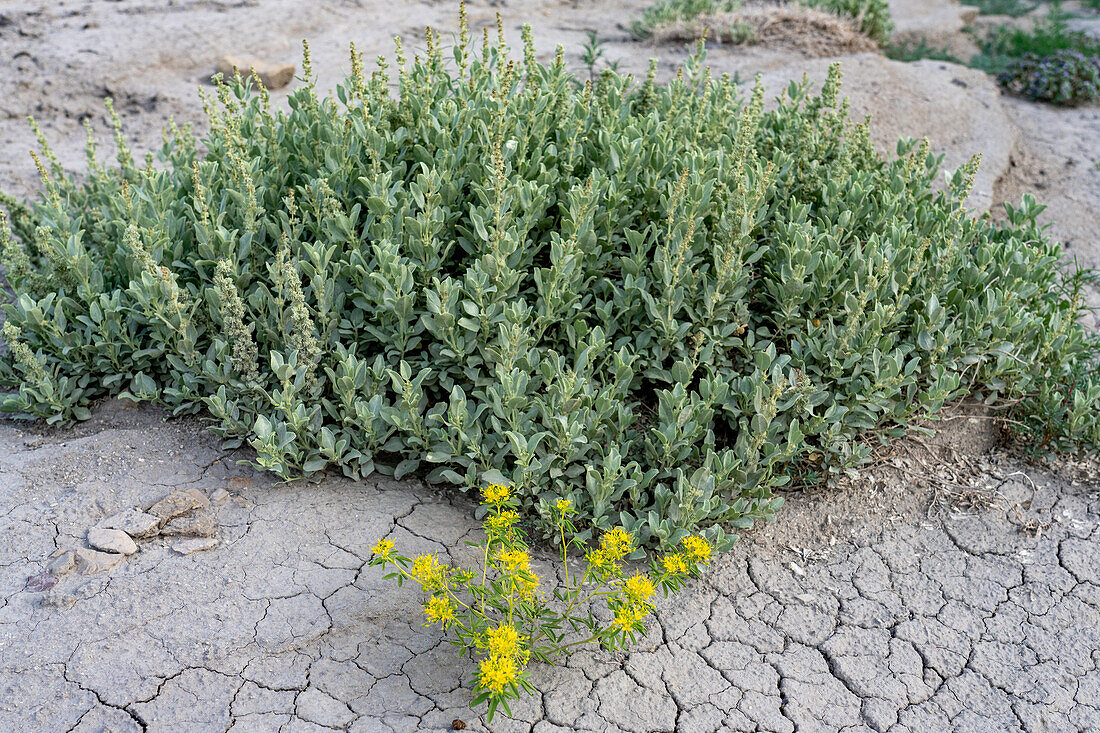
x,y
591,54
917,50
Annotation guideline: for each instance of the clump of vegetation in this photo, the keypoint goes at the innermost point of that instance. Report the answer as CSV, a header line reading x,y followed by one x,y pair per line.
x,y
1005,46
659,302
872,17
917,49
666,12
1048,62
503,614
1064,77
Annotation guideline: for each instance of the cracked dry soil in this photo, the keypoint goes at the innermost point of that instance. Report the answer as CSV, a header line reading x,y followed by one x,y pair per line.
x,y
859,611
946,590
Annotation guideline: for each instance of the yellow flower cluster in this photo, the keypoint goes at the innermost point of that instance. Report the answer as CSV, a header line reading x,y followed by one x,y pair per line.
x,y
694,550
497,673
427,571
499,669
614,546
634,603
629,614
500,524
383,549
440,611
674,563
513,560
495,494
564,505
697,547
639,588
503,641
517,566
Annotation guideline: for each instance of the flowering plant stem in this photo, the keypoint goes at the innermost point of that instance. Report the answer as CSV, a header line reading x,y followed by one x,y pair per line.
x,y
503,615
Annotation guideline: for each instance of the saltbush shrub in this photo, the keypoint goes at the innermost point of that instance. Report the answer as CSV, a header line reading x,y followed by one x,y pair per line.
x,y
658,301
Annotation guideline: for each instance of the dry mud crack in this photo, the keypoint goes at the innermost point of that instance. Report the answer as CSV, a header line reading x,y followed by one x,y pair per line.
x,y
882,620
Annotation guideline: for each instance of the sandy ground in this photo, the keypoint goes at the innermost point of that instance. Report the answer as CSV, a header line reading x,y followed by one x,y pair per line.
x,y
952,588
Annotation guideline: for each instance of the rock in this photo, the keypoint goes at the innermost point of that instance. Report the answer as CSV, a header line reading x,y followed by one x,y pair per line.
x,y
177,503
218,496
272,76
90,562
958,109
138,525
63,564
111,540
194,544
192,525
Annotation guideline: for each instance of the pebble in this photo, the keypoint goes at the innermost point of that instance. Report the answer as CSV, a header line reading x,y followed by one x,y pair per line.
x,y
111,540
218,496
272,76
138,525
179,502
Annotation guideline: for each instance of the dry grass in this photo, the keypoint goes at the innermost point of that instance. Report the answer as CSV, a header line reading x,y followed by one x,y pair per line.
x,y
792,27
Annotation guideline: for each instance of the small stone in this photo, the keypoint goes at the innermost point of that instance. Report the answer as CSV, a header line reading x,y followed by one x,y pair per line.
x,y
272,76
218,496
41,582
179,502
194,544
111,540
63,564
458,724
192,525
90,562
138,525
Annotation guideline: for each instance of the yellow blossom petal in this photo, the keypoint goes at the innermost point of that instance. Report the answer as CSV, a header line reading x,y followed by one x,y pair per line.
x,y
383,548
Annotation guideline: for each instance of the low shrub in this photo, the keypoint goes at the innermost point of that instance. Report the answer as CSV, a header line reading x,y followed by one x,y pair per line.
x,y
666,12
503,614
657,301
1064,77
873,16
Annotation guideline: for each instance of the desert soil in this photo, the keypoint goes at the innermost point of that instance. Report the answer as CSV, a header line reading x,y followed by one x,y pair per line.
x,y
952,587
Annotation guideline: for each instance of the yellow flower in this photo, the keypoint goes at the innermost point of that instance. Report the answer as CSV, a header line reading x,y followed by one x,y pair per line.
x,y
495,494
497,672
439,610
514,560
502,522
629,615
429,573
617,543
697,548
639,588
526,584
383,548
564,505
503,641
674,563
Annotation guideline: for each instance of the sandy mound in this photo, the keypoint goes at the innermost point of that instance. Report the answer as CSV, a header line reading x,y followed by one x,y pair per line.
x,y
805,30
